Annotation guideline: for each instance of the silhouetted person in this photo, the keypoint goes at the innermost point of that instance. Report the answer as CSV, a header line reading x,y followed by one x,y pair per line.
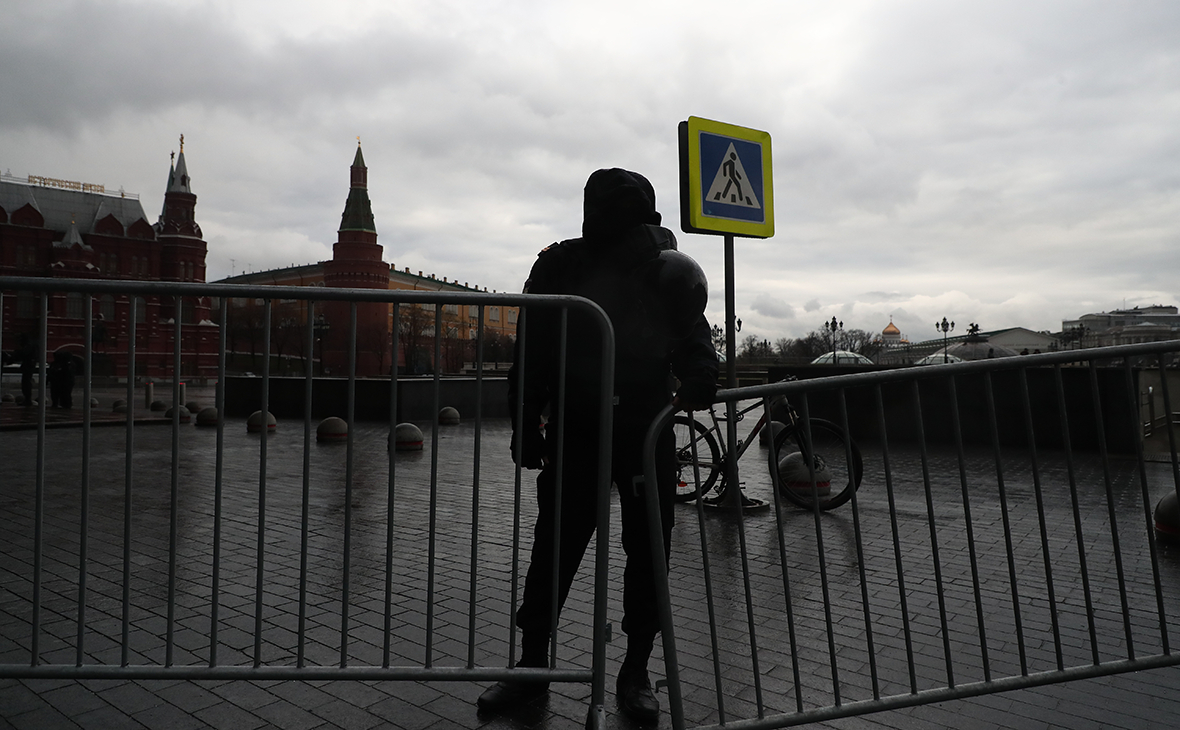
x,y
61,380
654,296
26,355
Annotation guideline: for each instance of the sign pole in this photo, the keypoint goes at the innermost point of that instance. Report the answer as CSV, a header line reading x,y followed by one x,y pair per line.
x,y
734,495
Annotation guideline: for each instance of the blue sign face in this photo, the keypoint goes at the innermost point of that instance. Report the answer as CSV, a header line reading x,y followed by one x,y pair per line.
x,y
732,169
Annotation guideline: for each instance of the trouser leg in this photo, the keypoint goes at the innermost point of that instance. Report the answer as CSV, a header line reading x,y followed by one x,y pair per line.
x,y
641,620
578,522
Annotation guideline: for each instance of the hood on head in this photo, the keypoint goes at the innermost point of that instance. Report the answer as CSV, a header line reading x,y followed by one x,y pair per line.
x,y
616,200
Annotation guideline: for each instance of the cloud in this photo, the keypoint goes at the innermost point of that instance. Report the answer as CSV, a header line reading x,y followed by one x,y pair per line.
x,y
772,307
1007,163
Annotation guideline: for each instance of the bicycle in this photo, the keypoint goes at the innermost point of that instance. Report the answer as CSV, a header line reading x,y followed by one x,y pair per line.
x,y
837,461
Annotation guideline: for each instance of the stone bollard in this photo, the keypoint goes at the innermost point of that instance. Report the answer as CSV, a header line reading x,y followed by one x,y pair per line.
x,y
448,416
158,406
8,398
794,475
254,422
185,415
183,393
766,436
149,394
406,437
332,429
207,417
94,402
192,406
119,406
1167,518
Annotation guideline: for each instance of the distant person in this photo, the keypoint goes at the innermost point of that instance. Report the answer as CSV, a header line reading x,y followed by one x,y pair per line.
x,y
654,296
26,355
61,380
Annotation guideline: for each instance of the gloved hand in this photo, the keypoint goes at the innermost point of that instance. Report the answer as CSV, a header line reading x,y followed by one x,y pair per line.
x,y
532,444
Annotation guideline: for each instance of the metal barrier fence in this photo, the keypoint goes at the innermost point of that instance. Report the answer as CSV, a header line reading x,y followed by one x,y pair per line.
x,y
316,569
985,554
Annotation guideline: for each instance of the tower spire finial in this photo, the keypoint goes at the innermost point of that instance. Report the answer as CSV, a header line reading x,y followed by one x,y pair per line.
x,y
182,144
358,140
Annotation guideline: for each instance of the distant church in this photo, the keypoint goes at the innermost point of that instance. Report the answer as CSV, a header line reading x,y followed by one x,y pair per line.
x,y
66,229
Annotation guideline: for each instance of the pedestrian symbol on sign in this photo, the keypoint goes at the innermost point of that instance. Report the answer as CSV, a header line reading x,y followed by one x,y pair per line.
x,y
728,185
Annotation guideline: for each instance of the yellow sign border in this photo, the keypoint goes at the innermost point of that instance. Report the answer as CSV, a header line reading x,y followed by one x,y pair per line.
x,y
691,184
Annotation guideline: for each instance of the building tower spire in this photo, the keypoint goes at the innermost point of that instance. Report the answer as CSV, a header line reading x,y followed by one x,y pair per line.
x,y
356,263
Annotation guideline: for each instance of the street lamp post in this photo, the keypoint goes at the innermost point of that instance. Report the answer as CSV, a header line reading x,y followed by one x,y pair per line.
x,y
833,327
945,327
321,327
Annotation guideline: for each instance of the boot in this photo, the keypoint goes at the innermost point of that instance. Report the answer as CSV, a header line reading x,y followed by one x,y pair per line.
x,y
635,696
510,694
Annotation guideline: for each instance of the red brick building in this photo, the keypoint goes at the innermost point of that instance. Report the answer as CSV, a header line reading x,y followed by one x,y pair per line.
x,y
60,228
357,263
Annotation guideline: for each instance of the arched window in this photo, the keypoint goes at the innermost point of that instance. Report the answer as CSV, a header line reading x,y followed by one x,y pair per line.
x,y
140,310
75,305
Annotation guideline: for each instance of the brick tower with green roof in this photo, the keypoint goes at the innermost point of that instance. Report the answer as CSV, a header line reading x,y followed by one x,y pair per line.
x,y
356,264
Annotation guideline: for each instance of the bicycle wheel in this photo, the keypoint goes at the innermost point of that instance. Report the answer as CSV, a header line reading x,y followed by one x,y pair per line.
x,y
835,478
685,431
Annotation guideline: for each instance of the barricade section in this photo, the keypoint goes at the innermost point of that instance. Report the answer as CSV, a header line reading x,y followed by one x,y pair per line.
x,y
204,546
963,565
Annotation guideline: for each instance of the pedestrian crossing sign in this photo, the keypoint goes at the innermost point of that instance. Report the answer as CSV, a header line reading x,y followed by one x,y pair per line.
x,y
725,179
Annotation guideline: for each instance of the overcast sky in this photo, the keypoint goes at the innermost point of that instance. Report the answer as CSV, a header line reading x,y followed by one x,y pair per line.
x,y
1006,163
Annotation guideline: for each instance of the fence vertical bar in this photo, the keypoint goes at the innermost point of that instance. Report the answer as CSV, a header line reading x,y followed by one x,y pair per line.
x,y
84,487
822,560
994,432
596,717
391,449
431,569
128,471
860,552
896,532
305,486
518,458
1077,516
934,555
781,536
346,558
559,465
970,525
1110,507
263,435
174,483
218,495
471,601
1035,465
39,507
1141,468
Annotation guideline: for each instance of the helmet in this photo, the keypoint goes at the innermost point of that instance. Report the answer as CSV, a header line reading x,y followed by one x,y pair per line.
x,y
680,291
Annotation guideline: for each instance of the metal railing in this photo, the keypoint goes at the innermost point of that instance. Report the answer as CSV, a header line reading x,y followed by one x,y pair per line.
x,y
201,557
1002,538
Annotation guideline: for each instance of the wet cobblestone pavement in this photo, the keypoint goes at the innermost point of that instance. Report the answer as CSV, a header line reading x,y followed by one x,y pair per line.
x,y
1138,700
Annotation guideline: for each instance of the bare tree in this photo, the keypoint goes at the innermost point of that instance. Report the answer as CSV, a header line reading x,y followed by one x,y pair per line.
x,y
415,327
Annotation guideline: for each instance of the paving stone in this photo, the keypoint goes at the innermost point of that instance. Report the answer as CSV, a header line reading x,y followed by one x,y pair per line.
x,y
1130,701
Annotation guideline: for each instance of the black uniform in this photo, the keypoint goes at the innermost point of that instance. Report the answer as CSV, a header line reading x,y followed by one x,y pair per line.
x,y
610,265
